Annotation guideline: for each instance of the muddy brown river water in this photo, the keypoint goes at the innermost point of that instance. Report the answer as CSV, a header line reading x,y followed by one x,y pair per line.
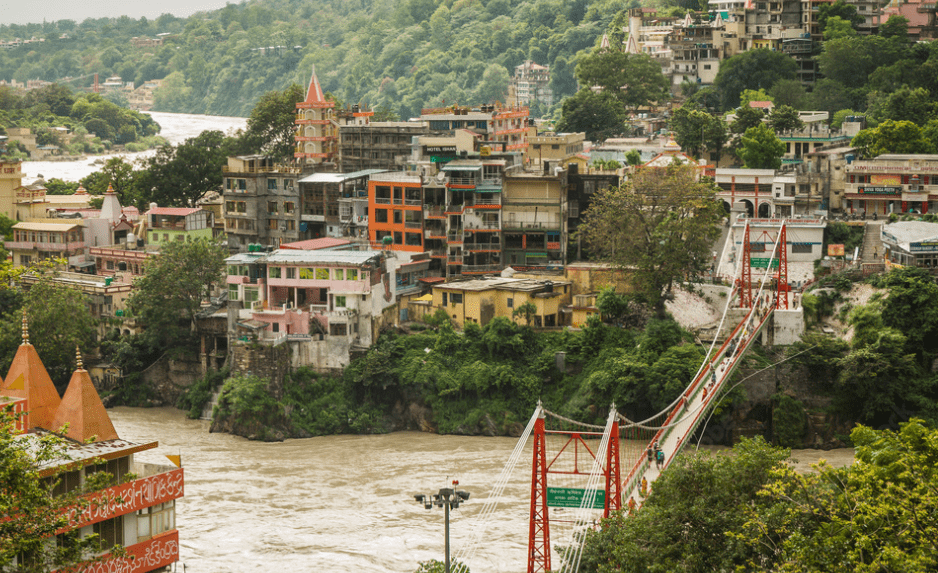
x,y
337,503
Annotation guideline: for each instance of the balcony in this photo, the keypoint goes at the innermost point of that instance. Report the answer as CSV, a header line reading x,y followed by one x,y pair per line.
x,y
483,247
413,224
132,496
468,269
433,212
468,181
451,260
434,234
55,247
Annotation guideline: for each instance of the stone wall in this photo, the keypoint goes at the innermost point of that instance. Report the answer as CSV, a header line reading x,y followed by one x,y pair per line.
x,y
263,361
171,378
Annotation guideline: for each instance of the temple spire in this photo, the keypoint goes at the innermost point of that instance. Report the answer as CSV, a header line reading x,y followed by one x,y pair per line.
x,y
25,328
79,364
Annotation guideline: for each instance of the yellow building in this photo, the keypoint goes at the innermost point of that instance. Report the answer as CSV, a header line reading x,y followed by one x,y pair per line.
x,y
583,307
11,178
558,148
481,300
37,241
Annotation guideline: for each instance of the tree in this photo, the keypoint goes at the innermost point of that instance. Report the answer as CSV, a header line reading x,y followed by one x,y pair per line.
x,y
179,176
32,514
59,321
683,525
272,126
905,104
660,224
633,157
754,69
695,130
173,287
870,516
829,95
892,137
788,92
119,175
837,27
494,84
746,117
761,148
749,96
895,27
599,115
634,79
839,9
785,118
527,311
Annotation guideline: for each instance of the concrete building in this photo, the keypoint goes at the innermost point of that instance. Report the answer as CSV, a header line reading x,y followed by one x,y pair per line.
x,y
335,204
483,299
558,148
892,184
376,145
535,218
168,224
499,128
33,242
262,202
912,243
530,84
143,519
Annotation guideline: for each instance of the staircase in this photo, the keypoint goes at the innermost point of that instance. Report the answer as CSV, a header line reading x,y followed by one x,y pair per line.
x,y
209,408
872,251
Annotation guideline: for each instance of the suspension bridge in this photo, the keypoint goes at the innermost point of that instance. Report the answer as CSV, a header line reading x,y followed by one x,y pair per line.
x,y
580,471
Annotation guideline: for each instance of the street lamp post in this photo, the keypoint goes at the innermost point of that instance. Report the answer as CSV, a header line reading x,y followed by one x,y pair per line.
x,y
448,498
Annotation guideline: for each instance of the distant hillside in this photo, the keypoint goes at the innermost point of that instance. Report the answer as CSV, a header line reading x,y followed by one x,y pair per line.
x,y
396,55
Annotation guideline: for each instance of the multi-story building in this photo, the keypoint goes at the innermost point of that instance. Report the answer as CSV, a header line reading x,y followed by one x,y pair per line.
x,y
34,242
262,202
499,128
911,243
892,184
105,295
697,49
482,299
316,135
11,178
326,302
140,512
335,204
395,212
376,145
534,208
531,83
562,148
168,224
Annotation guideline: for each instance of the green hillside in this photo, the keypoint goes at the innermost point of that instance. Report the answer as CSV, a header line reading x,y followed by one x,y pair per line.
x,y
396,55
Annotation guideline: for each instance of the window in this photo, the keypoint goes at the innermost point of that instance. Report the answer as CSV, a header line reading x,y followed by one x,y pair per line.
x,y
271,207
110,532
290,225
291,272
273,272
340,302
397,237
800,248
381,215
288,207
272,224
272,184
455,298
351,274
307,274
338,274
338,329
156,519
250,295
275,326
413,239
165,236
511,303
445,295
232,292
398,217
110,265
322,274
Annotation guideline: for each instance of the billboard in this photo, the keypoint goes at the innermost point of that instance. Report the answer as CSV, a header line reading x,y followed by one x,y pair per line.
x,y
835,250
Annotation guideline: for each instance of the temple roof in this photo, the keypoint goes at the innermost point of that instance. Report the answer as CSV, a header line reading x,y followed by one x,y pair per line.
x,y
29,379
82,410
314,94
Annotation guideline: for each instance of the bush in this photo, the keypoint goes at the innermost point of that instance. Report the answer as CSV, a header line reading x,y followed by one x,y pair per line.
x,y
789,421
200,393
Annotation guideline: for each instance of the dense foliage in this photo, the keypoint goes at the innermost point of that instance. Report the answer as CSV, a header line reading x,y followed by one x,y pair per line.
x,y
751,512
487,380
399,55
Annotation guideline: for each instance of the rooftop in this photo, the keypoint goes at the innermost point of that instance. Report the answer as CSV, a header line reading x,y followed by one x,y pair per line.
x,y
348,258
501,283
339,177
912,231
316,244
178,211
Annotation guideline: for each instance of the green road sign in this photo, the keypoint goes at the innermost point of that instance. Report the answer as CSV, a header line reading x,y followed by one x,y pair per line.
x,y
762,263
573,497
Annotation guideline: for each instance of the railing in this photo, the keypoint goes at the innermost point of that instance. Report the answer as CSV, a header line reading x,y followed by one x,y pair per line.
x,y
382,200
487,200
413,224
434,234
433,211
454,209
279,168
44,246
412,202
480,268
482,246
453,260
454,237
463,181
484,225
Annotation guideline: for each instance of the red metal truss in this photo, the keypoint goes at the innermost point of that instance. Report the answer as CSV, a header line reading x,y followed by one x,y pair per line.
x,y
745,286
539,531
613,475
781,301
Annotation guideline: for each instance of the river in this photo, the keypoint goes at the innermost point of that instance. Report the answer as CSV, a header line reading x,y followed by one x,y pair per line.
x,y
338,503
176,128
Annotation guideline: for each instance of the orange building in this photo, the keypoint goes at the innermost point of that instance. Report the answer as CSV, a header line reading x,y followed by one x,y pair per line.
x,y
138,513
395,212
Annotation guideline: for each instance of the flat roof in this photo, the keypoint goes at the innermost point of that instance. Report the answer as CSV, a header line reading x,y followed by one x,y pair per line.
x,y
501,283
350,258
46,226
912,231
339,177
316,244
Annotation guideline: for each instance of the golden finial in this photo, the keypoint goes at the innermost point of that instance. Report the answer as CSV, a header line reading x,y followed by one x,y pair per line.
x,y
110,188
78,361
25,328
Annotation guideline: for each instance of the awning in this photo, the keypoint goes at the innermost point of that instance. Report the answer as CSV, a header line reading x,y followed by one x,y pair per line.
x,y
253,324
450,167
425,298
84,265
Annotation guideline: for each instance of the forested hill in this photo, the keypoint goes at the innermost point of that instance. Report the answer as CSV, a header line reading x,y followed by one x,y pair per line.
x,y
395,55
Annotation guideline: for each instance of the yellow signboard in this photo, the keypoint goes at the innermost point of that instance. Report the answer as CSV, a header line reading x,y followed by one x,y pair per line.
x,y
835,250
882,179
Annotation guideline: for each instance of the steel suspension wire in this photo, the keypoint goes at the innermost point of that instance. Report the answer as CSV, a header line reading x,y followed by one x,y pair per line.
x,y
484,516
572,563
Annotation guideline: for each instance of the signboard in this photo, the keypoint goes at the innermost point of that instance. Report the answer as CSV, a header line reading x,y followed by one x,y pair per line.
x,y
881,179
763,263
924,247
880,190
835,250
441,149
573,497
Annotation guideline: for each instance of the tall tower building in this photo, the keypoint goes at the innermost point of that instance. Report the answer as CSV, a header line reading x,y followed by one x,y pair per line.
x,y
316,126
